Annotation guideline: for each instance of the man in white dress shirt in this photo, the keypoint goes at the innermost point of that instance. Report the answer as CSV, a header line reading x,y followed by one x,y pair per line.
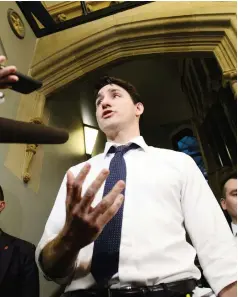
x,y
229,200
164,192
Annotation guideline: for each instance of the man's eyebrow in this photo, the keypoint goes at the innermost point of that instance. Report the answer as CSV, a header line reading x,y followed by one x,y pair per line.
x,y
114,90
98,96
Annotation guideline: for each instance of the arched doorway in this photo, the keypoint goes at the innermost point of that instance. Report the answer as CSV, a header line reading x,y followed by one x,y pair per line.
x,y
196,29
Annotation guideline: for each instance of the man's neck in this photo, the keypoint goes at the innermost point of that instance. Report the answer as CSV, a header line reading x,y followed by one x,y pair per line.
x,y
234,221
123,137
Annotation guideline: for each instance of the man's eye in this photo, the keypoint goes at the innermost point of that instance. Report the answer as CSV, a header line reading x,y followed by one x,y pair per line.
x,y
99,102
116,95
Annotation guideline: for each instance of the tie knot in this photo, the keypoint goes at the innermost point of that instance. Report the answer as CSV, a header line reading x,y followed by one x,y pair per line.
x,y
122,148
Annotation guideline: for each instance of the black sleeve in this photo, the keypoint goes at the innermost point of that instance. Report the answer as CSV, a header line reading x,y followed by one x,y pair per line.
x,y
29,273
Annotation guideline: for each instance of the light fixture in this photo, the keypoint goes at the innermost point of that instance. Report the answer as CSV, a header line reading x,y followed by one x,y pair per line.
x,y
90,136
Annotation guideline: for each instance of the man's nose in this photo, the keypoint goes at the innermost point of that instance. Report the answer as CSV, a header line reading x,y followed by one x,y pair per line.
x,y
106,103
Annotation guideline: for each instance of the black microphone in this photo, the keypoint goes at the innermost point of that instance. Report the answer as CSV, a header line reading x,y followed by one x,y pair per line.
x,y
12,131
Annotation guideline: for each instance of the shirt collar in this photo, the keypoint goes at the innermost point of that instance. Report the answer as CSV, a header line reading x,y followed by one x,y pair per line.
x,y
234,228
139,140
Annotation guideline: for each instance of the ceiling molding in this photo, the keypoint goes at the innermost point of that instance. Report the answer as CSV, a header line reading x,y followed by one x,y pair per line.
x,y
211,28
66,7
72,8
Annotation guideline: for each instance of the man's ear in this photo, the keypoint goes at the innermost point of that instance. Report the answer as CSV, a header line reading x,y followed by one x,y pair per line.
x,y
2,205
223,203
139,108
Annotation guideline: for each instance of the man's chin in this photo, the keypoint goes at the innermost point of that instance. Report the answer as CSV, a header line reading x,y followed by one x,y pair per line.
x,y
110,127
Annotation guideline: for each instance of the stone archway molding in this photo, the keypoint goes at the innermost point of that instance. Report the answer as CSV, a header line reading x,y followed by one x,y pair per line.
x,y
155,28
193,27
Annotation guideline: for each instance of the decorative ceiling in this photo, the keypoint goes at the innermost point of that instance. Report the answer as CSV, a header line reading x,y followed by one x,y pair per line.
x,y
48,17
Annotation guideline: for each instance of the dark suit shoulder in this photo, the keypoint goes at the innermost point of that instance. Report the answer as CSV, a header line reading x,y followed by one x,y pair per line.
x,y
20,243
23,244
20,268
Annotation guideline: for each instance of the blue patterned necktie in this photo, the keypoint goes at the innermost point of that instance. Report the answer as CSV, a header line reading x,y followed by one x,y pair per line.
x,y
105,258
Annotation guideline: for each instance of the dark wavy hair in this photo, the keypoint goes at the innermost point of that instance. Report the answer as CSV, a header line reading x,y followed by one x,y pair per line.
x,y
231,174
108,80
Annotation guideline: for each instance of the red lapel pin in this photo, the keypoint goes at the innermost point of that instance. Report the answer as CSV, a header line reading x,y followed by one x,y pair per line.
x,y
6,247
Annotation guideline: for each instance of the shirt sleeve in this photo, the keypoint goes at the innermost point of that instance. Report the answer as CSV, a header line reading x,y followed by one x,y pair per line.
x,y
53,226
208,229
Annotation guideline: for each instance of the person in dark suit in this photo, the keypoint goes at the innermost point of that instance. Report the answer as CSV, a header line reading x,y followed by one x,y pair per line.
x,y
19,275
229,199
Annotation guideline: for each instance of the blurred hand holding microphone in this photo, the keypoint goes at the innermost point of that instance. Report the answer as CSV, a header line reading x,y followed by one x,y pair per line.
x,y
12,131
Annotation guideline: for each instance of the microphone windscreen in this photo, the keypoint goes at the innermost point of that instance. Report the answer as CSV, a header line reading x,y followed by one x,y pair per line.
x,y
12,131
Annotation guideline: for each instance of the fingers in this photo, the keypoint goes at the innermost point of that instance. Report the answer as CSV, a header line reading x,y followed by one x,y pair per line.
x,y
111,211
8,71
92,191
9,79
78,183
69,187
2,59
7,74
109,205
